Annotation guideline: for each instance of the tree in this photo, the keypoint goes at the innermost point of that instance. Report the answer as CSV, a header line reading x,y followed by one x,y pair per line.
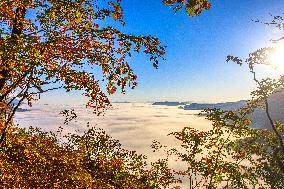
x,y
232,153
47,45
36,159
51,44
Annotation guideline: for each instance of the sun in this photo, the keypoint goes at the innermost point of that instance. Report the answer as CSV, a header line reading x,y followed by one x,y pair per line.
x,y
277,57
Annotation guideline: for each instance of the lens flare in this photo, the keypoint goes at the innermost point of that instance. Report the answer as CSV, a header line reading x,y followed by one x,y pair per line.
x,y
277,57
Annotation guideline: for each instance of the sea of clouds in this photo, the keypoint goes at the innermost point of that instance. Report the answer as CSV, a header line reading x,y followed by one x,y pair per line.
x,y
135,125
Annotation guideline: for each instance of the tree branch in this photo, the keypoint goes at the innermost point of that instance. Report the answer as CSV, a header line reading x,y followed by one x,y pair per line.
x,y
277,40
11,115
280,139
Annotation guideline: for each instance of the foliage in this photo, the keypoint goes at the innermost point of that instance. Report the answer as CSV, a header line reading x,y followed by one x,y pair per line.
x,y
233,154
35,159
47,45
63,44
192,7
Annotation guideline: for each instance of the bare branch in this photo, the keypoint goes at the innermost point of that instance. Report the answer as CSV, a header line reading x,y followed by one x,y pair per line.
x,y
277,40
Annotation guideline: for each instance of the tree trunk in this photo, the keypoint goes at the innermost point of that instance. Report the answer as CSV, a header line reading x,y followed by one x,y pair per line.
x,y
16,32
4,69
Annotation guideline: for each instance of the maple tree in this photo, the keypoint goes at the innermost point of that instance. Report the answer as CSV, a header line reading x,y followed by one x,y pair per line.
x,y
51,44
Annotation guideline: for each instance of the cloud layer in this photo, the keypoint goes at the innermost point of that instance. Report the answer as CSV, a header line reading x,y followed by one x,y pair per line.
x,y
136,125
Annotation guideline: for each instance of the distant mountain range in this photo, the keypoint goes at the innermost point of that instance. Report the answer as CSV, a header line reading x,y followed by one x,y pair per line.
x,y
23,110
223,106
167,103
276,109
259,117
202,106
15,102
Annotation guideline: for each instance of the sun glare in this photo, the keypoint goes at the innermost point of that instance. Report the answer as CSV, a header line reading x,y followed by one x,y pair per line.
x,y
277,58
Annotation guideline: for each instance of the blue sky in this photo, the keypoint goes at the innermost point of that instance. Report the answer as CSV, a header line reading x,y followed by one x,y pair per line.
x,y
195,69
